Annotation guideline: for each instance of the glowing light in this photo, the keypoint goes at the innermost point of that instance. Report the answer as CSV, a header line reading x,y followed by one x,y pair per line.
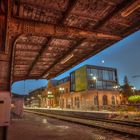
x,y
61,89
94,78
49,92
103,61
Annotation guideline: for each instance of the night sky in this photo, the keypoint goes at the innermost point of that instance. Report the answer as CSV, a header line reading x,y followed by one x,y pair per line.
x,y
124,55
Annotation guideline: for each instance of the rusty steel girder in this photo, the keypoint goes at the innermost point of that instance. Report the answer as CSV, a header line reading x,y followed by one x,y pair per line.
x,y
43,38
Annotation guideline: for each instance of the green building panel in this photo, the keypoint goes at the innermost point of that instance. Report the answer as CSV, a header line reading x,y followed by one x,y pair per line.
x,y
80,79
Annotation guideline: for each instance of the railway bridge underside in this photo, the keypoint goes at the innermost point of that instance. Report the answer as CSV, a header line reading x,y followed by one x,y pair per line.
x,y
43,38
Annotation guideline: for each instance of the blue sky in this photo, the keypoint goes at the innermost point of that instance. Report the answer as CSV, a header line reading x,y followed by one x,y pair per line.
x,y
123,55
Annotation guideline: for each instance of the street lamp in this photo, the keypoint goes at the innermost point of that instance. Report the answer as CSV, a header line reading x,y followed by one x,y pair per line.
x,y
95,80
39,97
61,89
118,89
50,96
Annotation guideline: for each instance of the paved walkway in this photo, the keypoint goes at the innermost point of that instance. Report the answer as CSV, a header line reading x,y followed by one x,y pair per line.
x,y
34,127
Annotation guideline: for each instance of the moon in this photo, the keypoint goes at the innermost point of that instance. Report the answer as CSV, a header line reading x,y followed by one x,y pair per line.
x,y
103,61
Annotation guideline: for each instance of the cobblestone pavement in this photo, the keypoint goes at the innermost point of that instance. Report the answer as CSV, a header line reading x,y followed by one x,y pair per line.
x,y
34,127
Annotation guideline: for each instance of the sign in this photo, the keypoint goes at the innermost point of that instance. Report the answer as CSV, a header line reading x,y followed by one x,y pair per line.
x,y
50,95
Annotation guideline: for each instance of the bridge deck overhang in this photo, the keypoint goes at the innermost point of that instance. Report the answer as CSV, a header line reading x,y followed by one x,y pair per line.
x,y
44,38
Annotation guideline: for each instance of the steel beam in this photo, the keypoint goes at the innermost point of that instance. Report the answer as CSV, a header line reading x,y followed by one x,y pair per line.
x,y
62,57
113,13
22,26
44,47
71,5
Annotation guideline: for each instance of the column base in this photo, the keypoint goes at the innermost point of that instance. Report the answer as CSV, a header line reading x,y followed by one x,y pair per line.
x,y
3,132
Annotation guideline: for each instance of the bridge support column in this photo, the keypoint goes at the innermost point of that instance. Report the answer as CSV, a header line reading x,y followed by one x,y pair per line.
x,y
3,132
5,106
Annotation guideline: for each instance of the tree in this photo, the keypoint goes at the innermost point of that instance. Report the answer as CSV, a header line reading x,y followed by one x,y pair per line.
x,y
126,88
126,80
134,99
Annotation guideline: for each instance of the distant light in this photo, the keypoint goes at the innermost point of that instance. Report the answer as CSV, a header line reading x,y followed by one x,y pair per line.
x,y
61,89
103,61
133,88
94,78
49,92
91,74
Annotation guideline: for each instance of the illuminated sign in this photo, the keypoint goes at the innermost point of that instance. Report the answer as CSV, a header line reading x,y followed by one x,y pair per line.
x,y
50,96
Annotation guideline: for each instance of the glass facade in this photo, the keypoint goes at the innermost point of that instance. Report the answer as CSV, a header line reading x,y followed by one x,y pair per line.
x,y
105,78
64,80
72,81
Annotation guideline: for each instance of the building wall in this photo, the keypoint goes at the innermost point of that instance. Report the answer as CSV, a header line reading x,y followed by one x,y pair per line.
x,y
78,100
91,77
82,96
85,99
54,102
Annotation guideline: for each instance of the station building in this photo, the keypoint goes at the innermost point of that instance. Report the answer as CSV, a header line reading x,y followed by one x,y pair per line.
x,y
89,87
35,98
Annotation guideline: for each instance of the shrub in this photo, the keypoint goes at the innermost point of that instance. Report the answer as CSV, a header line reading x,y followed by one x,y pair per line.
x,y
134,98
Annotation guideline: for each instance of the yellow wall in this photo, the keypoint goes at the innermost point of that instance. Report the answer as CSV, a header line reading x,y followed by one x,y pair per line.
x,y
80,79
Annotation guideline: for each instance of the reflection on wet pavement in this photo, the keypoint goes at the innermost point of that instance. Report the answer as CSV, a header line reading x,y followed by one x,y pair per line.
x,y
34,127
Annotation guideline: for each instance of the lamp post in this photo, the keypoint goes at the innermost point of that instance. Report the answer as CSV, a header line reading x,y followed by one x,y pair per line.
x,y
32,101
117,88
50,96
40,99
95,79
61,89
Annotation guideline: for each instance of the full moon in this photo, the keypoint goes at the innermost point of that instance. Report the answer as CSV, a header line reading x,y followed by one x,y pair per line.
x,y
103,61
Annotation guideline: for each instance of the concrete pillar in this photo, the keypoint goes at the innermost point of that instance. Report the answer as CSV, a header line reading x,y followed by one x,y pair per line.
x,y
3,132
5,106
